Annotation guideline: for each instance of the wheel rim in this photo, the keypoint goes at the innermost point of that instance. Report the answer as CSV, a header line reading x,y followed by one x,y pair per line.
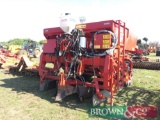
x,y
37,52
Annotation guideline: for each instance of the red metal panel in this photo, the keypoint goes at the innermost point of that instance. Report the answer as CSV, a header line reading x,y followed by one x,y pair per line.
x,y
49,46
131,42
50,33
108,72
90,28
95,26
102,41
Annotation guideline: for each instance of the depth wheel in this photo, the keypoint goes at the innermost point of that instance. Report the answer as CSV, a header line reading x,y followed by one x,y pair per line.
x,y
23,52
37,53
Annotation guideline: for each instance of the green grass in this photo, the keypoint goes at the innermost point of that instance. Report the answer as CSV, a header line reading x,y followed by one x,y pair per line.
x,y
20,97
152,57
148,79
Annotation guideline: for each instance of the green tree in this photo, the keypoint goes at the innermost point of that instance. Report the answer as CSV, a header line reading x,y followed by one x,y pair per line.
x,y
41,42
4,43
17,41
138,41
145,39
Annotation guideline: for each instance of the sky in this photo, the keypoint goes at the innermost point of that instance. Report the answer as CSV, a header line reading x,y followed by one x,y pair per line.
x,y
28,18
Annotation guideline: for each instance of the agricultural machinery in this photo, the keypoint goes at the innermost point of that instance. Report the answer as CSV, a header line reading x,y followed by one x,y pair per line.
x,y
143,45
91,60
29,48
152,49
139,58
2,60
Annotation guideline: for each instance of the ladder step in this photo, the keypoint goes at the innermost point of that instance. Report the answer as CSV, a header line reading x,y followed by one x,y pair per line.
x,y
122,55
121,45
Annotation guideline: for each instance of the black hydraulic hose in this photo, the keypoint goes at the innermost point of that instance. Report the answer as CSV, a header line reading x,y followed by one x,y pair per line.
x,y
107,51
101,54
71,65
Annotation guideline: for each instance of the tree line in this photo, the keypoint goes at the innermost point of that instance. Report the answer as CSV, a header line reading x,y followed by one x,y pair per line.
x,y
150,43
19,41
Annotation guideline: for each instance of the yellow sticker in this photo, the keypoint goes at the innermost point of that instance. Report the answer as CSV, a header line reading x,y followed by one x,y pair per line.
x,y
105,46
80,26
106,42
106,36
96,46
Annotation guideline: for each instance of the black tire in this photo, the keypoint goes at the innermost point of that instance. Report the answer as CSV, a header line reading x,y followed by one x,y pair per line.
x,y
37,53
144,53
127,84
0,65
157,53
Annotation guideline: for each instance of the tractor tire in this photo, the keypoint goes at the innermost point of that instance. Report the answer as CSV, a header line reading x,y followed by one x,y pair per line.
x,y
0,65
157,53
145,54
23,52
37,53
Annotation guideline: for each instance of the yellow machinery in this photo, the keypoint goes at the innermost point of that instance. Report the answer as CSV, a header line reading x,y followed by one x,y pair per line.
x,y
14,49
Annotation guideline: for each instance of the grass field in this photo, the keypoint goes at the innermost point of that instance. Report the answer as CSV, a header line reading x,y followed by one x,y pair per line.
x,y
20,98
153,57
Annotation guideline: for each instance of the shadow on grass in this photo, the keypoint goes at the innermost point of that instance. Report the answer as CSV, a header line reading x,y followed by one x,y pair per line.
x,y
124,97
26,84
138,96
